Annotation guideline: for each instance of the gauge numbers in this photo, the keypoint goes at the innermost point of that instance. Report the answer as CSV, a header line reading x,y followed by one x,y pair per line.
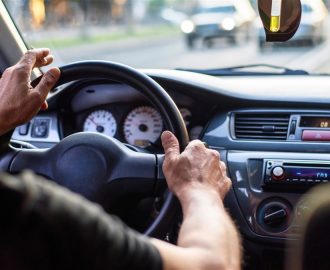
x,y
143,126
101,121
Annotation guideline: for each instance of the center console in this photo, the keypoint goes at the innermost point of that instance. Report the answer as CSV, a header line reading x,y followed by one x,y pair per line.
x,y
269,188
274,159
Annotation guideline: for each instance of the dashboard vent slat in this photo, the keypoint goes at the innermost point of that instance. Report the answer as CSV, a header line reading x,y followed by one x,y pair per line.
x,y
261,126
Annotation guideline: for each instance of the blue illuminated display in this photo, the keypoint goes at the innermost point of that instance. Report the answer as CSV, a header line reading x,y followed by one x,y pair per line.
x,y
308,173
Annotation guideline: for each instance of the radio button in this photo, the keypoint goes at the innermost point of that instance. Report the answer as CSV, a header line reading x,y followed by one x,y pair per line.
x,y
278,173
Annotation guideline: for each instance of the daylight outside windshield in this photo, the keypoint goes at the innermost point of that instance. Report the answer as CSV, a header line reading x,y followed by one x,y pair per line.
x,y
171,33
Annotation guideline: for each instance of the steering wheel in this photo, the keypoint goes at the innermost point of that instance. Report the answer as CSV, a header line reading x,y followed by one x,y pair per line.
x,y
99,167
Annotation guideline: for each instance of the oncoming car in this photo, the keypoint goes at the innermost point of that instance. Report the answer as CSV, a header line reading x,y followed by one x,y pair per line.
x,y
210,20
266,113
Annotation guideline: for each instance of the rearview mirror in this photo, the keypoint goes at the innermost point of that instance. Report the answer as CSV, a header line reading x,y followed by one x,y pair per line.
x,y
281,18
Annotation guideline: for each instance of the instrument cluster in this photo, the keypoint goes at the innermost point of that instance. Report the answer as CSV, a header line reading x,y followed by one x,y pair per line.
x,y
140,125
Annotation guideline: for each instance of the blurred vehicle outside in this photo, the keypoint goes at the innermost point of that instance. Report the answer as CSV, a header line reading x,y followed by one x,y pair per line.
x,y
229,19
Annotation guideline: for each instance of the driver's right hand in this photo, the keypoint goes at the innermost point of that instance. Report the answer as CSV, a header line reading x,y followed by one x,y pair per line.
x,y
196,168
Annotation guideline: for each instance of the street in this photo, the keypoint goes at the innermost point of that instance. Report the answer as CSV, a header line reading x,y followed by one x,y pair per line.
x,y
171,52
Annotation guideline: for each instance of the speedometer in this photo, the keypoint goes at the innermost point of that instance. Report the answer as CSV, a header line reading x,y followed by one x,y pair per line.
x,y
101,121
143,126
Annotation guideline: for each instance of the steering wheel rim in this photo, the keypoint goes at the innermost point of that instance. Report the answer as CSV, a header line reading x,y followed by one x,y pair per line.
x,y
156,95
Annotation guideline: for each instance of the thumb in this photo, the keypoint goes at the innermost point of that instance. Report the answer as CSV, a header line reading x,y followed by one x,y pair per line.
x,y
47,82
170,144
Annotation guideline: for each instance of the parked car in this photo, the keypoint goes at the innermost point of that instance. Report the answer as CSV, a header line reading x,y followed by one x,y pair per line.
x,y
219,19
312,27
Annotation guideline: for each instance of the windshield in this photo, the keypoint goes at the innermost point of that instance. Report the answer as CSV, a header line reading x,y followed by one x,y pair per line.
x,y
188,34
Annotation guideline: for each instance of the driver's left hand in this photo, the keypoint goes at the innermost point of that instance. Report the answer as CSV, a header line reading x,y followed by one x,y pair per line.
x,y
19,101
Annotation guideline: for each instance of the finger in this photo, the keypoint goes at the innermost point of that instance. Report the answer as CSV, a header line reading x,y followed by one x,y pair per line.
x,y
196,143
34,58
223,167
206,145
47,82
44,61
215,154
170,144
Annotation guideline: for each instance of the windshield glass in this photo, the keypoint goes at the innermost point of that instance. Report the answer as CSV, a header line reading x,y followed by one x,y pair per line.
x,y
192,34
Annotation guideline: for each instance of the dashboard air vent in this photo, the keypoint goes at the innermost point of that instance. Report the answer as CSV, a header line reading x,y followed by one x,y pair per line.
x,y
261,126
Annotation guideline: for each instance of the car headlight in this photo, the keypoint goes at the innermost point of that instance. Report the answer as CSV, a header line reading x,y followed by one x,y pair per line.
x,y
228,24
187,27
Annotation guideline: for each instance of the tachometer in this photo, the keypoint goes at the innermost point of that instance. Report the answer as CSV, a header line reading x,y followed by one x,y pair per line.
x,y
143,126
101,121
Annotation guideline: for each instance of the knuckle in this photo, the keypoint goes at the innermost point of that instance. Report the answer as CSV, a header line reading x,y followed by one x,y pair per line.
x,y
223,165
215,154
29,53
195,144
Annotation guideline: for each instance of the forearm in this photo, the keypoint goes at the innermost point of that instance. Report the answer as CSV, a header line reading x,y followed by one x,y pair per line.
x,y
208,238
208,228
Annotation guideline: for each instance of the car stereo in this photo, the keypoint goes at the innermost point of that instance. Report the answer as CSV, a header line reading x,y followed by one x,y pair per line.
x,y
296,172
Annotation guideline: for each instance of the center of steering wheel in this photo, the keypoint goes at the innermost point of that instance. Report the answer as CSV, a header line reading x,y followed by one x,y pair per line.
x,y
82,169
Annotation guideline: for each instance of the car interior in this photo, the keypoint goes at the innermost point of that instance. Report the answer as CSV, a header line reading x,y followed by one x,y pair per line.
x,y
100,136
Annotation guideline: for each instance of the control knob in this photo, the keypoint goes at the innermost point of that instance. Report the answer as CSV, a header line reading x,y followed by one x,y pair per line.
x,y
274,215
278,173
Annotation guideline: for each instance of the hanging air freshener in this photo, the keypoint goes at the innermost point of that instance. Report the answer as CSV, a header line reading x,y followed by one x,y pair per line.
x,y
275,19
280,18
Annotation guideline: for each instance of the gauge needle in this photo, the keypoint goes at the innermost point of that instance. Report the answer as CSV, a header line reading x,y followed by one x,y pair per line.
x,y
92,120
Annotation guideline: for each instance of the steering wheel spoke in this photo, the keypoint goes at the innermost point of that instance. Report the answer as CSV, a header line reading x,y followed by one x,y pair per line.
x,y
31,159
135,174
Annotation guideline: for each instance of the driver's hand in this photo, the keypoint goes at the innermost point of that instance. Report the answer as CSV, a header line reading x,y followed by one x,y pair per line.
x,y
197,168
19,101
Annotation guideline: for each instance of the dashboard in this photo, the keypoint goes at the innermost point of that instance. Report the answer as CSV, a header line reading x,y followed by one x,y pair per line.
x,y
114,110
273,132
